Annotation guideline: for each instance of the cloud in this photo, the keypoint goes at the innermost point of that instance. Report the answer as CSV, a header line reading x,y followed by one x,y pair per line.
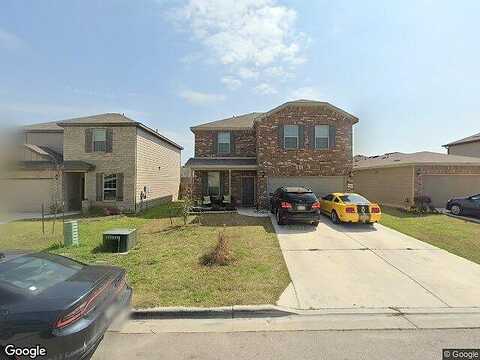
x,y
265,89
306,92
246,36
231,83
201,98
10,41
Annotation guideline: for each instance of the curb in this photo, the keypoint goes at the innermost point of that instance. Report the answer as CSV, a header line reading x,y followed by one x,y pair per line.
x,y
224,312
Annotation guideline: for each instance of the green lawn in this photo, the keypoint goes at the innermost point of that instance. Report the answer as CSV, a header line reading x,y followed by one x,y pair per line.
x,y
454,235
164,267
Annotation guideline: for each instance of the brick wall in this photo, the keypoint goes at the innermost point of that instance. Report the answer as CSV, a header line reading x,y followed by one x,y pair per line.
x,y
120,160
244,144
273,160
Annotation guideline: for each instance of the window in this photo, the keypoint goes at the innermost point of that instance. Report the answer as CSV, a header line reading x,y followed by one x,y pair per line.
x,y
328,197
290,136
99,140
223,142
214,183
110,187
337,200
322,140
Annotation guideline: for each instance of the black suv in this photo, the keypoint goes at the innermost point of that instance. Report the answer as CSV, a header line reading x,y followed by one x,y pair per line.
x,y
295,203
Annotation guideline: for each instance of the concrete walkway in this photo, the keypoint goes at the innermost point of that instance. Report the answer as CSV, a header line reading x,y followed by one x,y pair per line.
x,y
354,266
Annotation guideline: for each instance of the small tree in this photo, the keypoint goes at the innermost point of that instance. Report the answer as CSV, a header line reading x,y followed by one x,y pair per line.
x,y
221,254
186,207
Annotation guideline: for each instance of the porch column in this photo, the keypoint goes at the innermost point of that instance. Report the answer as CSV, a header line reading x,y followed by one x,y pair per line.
x,y
230,182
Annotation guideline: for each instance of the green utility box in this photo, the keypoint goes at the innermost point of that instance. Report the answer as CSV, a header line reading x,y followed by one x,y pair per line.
x,y
119,240
70,233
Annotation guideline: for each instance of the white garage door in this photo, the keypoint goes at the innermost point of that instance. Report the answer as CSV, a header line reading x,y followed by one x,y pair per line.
x,y
320,185
441,188
26,195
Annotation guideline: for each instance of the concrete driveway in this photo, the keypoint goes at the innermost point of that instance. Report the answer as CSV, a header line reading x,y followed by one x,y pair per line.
x,y
354,266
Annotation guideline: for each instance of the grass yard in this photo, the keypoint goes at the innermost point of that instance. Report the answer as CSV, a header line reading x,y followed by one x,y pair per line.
x,y
164,267
454,235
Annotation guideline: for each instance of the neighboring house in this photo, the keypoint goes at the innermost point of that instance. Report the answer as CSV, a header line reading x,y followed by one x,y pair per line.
x,y
105,160
300,143
395,179
469,146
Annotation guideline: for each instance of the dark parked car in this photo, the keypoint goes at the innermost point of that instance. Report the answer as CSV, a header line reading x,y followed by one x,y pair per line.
x,y
57,304
469,205
295,203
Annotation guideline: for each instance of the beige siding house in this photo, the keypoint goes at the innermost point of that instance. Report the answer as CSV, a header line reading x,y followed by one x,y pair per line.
x,y
469,146
395,179
106,160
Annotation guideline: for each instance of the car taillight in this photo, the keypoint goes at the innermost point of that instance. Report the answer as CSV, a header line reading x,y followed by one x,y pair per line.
x,y
316,205
375,210
350,210
83,309
285,205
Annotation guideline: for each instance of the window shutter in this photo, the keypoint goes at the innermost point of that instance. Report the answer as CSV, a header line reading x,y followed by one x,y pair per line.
x,y
109,140
332,135
311,137
99,187
88,140
301,136
215,143
280,136
204,183
120,187
232,142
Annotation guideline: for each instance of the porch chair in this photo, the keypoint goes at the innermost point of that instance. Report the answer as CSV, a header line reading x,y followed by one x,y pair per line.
x,y
207,201
227,199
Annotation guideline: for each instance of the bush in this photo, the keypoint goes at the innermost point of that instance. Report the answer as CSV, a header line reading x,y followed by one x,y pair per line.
x,y
220,255
422,204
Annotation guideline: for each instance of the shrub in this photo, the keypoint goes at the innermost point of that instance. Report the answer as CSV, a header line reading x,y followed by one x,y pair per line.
x,y
422,204
112,211
220,255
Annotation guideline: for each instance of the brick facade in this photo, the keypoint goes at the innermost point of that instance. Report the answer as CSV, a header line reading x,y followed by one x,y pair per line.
x,y
263,143
244,144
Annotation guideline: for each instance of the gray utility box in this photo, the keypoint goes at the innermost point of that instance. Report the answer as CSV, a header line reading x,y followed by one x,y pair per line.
x,y
70,233
119,240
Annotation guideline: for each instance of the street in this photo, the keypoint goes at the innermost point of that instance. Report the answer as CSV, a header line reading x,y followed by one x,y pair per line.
x,y
315,345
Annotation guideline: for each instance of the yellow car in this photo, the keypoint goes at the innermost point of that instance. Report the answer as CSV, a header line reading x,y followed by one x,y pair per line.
x,y
350,207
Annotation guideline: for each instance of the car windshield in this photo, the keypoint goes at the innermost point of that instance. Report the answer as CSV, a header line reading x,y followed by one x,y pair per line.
x,y
36,273
301,196
354,198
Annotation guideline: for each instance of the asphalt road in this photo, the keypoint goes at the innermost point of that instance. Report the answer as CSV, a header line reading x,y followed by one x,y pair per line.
x,y
315,345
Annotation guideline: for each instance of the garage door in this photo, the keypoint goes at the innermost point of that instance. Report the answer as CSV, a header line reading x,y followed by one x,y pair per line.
x,y
441,188
320,185
26,195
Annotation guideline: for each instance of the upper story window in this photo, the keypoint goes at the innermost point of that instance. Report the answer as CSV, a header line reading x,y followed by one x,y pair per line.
x,y
290,136
99,140
322,137
223,142
110,187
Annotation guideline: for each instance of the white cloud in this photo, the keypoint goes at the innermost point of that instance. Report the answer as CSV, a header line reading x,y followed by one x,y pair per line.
x,y
231,83
247,36
306,92
201,98
10,41
265,89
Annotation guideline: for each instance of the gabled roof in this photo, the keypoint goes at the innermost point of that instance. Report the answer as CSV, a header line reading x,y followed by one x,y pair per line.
x,y
241,122
398,159
246,121
45,151
107,119
469,139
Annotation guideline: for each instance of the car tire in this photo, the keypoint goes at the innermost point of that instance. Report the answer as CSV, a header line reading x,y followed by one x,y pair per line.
x,y
456,209
279,218
334,217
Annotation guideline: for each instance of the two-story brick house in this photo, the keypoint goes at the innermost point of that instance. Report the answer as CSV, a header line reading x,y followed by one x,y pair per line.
x,y
106,160
303,143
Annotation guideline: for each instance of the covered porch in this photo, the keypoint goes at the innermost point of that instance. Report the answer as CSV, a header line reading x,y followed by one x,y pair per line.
x,y
224,183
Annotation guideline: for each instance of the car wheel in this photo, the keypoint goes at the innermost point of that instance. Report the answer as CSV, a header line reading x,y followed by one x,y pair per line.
x,y
334,217
456,209
280,221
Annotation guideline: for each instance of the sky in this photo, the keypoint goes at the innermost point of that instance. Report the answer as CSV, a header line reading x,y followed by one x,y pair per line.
x,y
409,70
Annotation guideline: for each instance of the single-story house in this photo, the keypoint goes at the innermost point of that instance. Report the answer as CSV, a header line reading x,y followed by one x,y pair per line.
x,y
395,179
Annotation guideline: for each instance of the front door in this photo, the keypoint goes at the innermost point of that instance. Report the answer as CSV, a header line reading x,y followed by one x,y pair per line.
x,y
248,191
